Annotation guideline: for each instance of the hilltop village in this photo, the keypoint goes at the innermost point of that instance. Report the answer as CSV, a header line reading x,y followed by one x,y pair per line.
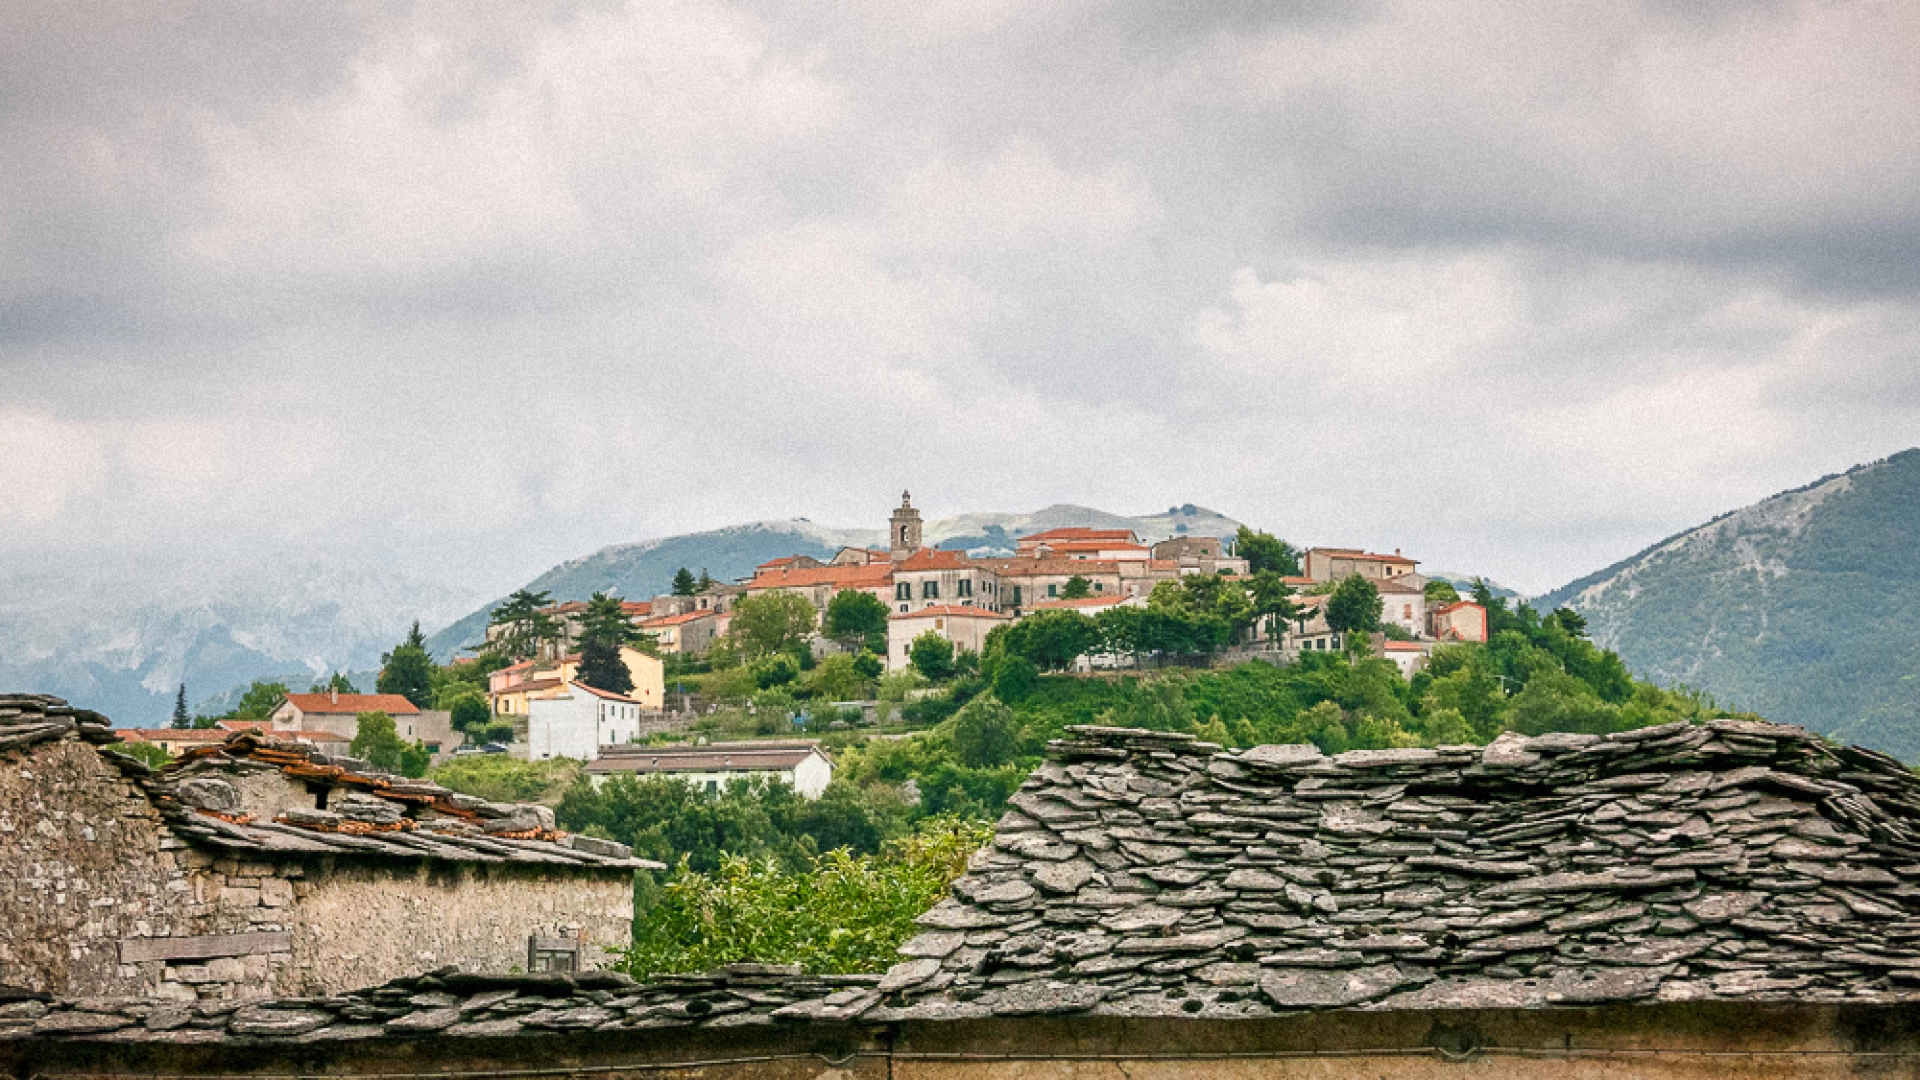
x,y
950,603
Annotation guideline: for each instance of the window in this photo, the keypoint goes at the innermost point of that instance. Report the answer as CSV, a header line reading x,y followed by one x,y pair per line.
x,y
903,591
966,586
1099,586
1016,596
1053,590
903,608
929,590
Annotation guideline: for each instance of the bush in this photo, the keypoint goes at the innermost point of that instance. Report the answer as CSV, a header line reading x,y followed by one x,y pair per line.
x,y
499,778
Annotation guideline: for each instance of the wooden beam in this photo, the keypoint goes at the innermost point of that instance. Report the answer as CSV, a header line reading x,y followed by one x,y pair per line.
x,y
205,947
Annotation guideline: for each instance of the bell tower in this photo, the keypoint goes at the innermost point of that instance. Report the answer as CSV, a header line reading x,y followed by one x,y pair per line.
x,y
903,529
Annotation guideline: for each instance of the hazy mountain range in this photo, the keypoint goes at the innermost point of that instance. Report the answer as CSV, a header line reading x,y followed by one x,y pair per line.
x,y
1804,607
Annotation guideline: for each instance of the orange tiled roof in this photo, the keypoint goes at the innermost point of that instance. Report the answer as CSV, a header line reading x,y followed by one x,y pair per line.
x,y
1077,532
934,559
870,576
676,620
1457,605
391,704
1082,602
1095,545
950,611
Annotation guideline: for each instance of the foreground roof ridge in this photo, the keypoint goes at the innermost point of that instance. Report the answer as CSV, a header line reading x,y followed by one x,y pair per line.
x,y
1150,873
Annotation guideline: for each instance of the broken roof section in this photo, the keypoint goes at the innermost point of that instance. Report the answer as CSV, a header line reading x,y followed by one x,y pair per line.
x,y
1144,873
253,794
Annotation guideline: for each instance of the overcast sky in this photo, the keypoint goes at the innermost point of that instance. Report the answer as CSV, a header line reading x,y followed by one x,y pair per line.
x,y
475,288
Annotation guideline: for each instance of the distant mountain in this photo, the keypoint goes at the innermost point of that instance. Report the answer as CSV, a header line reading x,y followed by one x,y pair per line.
x,y
645,570
1804,607
122,638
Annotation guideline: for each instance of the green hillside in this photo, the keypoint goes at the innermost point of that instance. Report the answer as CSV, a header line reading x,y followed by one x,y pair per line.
x,y
1804,608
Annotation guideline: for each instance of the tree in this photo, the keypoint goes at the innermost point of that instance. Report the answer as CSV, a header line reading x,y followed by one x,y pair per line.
x,y
377,740
604,631
932,656
770,623
181,718
471,714
683,583
1354,606
1263,551
1052,639
523,625
858,619
415,759
408,670
841,677
1441,592
1076,588
985,734
706,581
260,700
338,683
1574,623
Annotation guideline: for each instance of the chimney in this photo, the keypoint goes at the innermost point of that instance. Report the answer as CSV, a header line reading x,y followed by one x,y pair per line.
x,y
333,694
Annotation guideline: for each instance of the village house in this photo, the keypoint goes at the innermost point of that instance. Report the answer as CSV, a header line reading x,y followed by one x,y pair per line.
x,y
800,764
511,688
931,578
1200,555
255,867
718,598
820,584
1331,564
1085,542
339,714
1024,582
1462,620
1408,656
690,633
1403,605
966,627
576,720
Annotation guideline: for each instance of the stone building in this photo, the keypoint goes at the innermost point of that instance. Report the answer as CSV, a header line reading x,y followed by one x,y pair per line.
x,y
966,627
799,763
1729,900
258,868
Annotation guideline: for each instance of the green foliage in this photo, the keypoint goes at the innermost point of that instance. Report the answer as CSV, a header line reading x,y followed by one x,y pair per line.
x,y
683,583
523,624
339,682
415,759
842,677
376,739
770,623
150,754
499,778
259,701
1051,640
841,913
985,734
1264,552
932,656
471,714
1014,678
857,620
602,668
1441,592
1076,588
408,671
1355,606
181,718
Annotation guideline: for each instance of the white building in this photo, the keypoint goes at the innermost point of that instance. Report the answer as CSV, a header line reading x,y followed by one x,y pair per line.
x,y
1403,605
966,627
799,764
576,720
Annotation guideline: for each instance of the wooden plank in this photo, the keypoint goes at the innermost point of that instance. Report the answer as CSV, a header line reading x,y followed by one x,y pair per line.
x,y
206,947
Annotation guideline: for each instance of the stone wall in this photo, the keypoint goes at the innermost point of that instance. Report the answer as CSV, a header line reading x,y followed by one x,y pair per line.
x,y
99,899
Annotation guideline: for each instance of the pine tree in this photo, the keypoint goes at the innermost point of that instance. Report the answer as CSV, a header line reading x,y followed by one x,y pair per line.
x,y
181,719
408,671
705,582
604,629
683,583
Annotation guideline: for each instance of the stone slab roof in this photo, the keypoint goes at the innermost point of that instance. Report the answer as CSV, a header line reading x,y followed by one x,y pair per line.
x,y
1148,874
452,1004
371,814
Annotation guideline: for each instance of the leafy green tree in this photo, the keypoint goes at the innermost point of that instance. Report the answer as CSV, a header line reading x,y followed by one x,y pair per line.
x,y
181,718
1014,679
523,624
839,678
1355,606
1571,621
415,759
408,670
868,666
1263,551
1052,639
604,631
932,656
683,582
152,755
706,581
769,623
471,714
1441,592
259,701
858,619
1076,588
985,733
377,740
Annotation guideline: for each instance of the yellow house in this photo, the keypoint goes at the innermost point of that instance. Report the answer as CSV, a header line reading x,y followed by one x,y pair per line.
x,y
509,688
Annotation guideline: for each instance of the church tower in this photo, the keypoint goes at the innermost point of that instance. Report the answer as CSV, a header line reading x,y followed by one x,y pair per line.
x,y
903,529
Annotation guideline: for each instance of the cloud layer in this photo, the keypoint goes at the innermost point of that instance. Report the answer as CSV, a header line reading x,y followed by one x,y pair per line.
x,y
475,287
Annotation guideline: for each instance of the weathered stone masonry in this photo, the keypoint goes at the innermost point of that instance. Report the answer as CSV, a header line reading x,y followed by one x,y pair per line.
x,y
197,883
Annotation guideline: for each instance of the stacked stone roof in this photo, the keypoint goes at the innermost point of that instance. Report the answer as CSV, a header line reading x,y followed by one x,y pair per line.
x,y
370,813
1142,873
452,1004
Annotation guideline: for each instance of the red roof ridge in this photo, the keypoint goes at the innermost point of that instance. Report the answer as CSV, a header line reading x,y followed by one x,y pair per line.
x,y
352,703
957,611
